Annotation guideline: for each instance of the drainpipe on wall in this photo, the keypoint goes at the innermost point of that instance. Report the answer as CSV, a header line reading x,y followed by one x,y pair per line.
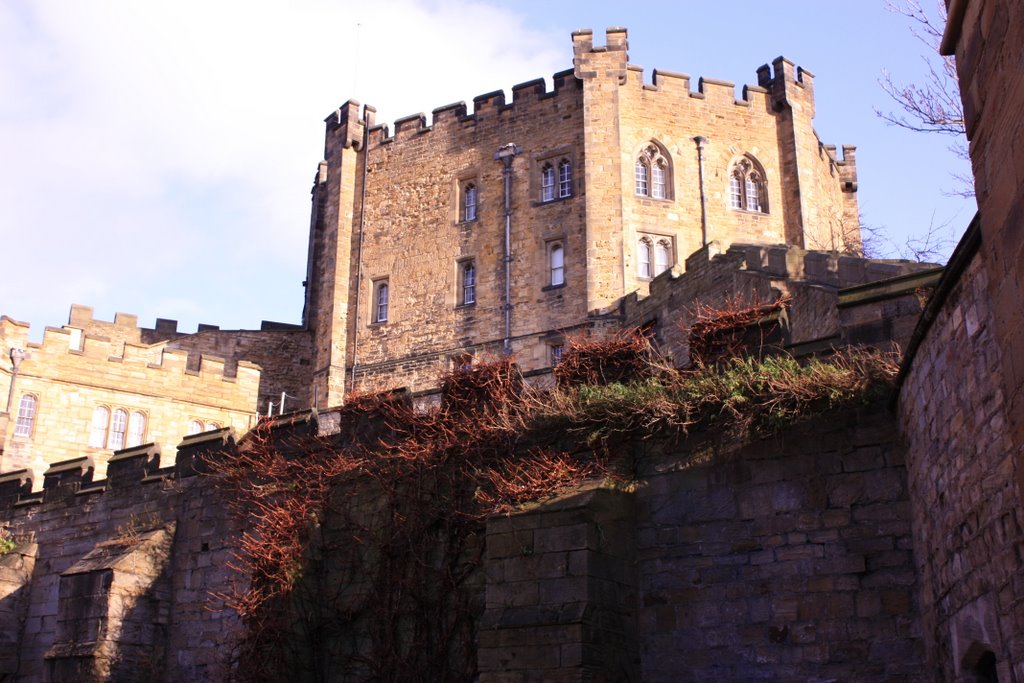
x,y
359,256
506,154
701,141
17,355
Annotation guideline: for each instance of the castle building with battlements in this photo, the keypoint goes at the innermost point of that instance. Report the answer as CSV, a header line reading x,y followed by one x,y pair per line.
x,y
512,226
601,203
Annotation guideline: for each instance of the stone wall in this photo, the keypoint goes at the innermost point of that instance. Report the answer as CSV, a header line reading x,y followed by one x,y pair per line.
x,y
968,523
118,577
834,300
787,558
783,559
72,372
985,36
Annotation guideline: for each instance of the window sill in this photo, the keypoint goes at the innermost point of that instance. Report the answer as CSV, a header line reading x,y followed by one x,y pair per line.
x,y
549,288
463,307
556,200
378,323
644,199
748,212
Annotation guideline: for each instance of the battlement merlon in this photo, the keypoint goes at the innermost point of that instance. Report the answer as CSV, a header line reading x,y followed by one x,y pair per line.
x,y
345,127
788,84
612,59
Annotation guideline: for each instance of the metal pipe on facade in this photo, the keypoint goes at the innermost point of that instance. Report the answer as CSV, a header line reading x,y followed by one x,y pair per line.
x,y
17,355
359,254
701,141
506,154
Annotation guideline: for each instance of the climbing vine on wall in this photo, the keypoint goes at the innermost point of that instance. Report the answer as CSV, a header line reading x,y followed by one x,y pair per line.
x,y
364,546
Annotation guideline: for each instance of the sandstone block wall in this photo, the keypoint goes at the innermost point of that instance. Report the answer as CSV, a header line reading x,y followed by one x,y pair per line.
x,y
834,299
783,559
962,472
165,543
71,373
388,208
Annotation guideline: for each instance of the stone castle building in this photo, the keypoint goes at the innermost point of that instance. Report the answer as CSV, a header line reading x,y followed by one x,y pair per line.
x,y
510,228
515,225
880,544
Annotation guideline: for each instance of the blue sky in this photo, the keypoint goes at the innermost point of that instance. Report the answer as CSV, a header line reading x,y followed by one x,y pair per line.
x,y
158,156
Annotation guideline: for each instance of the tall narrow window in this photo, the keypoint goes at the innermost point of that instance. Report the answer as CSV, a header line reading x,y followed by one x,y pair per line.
x,y
564,179
662,256
547,183
640,171
469,202
658,180
556,260
26,415
468,273
136,429
747,188
736,191
381,293
100,422
195,427
643,258
118,429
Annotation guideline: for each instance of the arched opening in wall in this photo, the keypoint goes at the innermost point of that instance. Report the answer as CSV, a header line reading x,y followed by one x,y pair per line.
x,y
985,669
980,664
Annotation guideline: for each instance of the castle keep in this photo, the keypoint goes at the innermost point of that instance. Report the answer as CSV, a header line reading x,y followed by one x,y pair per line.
x,y
509,227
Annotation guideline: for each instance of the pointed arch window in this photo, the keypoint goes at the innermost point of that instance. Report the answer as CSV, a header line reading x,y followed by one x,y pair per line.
x,y
643,258
653,172
136,429
26,416
381,297
118,429
662,256
747,188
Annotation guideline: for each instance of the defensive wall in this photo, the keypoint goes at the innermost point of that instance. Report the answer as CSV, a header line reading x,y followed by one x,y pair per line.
x,y
72,372
282,351
834,300
115,578
729,559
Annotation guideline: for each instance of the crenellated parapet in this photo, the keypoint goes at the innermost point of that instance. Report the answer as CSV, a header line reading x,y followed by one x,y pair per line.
x,y
831,296
457,116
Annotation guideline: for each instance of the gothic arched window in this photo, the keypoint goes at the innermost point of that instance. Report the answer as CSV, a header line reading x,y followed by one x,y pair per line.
x,y
747,188
653,172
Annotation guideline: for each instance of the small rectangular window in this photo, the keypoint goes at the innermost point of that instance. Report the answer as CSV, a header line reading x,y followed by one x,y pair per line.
x,y
547,183
381,297
556,353
556,264
467,283
26,416
468,201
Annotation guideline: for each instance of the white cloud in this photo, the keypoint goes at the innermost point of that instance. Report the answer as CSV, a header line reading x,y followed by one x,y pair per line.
x,y
158,147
